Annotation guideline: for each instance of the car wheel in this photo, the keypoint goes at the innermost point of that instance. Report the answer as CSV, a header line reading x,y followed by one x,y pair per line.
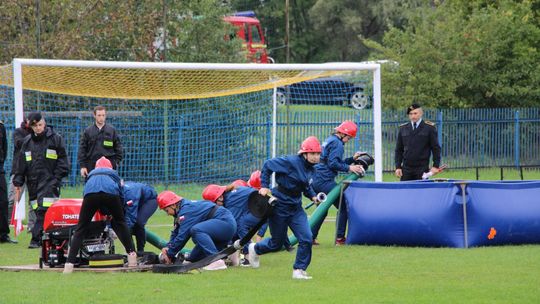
x,y
359,100
281,98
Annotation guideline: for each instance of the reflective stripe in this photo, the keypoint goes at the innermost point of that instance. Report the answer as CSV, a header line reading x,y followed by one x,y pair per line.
x,y
51,154
28,155
107,143
47,202
258,46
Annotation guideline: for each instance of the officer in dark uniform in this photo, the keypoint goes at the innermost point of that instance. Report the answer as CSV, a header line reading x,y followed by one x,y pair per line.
x,y
18,138
4,224
99,139
42,164
417,141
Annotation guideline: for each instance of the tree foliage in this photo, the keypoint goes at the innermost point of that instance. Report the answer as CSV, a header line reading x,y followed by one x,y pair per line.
x,y
464,54
117,30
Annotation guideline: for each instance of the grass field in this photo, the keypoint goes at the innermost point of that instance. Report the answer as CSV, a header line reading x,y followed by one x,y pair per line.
x,y
348,274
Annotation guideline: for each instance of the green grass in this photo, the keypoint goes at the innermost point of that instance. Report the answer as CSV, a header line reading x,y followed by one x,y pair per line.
x,y
348,274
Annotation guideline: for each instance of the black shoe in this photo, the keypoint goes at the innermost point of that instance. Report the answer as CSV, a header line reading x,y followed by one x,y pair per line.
x,y
245,263
34,245
7,239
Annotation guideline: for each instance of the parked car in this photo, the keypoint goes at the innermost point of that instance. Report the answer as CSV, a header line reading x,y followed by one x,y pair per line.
x,y
325,91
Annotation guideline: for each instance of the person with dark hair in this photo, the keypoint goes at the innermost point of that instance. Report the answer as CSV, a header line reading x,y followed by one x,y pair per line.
x,y
211,227
416,142
41,164
18,137
99,139
102,191
293,176
332,162
140,202
4,224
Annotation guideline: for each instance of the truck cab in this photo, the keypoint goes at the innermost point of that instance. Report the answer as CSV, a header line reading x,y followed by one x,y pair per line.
x,y
248,28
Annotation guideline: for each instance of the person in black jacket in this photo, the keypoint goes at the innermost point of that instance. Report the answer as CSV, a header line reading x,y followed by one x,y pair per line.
x,y
42,164
4,224
99,139
417,141
18,137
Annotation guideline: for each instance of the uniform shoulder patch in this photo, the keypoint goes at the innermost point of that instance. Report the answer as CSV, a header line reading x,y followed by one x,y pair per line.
x,y
430,123
404,124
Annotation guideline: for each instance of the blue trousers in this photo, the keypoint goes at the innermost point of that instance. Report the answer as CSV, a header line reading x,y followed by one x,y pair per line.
x,y
288,216
245,223
144,212
343,215
211,236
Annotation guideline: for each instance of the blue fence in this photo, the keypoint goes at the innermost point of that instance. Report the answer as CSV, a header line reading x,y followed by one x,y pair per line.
x,y
469,137
224,139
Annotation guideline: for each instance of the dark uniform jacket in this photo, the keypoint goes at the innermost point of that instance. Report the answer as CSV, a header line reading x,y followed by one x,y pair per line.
x,y
96,143
42,163
3,146
332,162
18,138
414,147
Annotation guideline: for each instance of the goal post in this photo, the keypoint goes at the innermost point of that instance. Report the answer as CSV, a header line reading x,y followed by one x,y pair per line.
x,y
130,82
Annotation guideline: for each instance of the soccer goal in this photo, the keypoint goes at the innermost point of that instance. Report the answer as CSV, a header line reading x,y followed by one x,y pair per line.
x,y
198,122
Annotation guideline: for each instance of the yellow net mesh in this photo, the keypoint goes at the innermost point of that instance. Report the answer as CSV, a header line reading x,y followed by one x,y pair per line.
x,y
153,83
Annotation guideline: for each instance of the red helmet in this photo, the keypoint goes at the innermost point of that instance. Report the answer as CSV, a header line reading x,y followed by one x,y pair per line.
x,y
103,162
310,144
255,180
167,198
213,192
240,183
348,128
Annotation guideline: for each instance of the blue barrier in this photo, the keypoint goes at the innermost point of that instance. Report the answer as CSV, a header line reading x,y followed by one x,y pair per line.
x,y
439,214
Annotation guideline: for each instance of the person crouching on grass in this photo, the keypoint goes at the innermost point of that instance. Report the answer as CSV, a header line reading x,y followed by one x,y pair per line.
x,y
211,227
235,199
293,176
102,191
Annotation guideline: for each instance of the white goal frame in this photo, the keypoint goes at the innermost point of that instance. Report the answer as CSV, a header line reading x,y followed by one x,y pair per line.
x,y
374,67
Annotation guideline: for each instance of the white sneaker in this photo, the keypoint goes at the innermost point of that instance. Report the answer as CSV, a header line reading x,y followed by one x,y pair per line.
x,y
68,268
253,257
235,258
217,265
300,274
132,259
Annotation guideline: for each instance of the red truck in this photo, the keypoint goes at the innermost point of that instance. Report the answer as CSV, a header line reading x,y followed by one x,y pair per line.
x,y
250,31
248,28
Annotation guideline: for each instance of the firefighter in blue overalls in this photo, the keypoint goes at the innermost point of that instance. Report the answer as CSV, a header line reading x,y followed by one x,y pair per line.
x,y
41,164
293,176
140,202
331,164
235,199
103,192
210,226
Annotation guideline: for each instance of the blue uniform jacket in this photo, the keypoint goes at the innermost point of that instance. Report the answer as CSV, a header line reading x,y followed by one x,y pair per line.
x,y
136,195
332,161
236,201
190,214
103,180
293,173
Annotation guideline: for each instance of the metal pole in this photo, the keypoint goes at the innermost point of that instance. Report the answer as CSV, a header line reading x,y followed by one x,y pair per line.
x,y
164,16
287,49
464,206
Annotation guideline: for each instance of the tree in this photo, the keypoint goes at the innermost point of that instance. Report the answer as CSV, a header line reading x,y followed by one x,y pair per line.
x,y
117,30
464,54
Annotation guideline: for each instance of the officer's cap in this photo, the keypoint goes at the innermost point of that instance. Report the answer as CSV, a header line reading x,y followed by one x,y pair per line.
x,y
34,118
414,106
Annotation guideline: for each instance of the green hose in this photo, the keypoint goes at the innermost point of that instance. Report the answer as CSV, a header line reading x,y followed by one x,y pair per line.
x,y
331,197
